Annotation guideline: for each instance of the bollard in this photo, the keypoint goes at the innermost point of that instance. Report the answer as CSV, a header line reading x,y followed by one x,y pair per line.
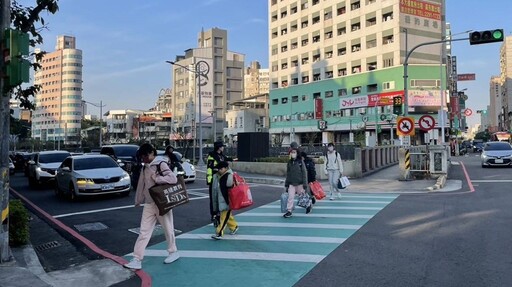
x,y
404,163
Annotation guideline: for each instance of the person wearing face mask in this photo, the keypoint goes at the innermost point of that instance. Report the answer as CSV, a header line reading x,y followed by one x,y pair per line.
x,y
333,169
296,181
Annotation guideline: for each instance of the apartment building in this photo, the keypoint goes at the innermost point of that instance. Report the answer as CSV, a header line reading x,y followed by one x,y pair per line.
x,y
334,65
221,82
122,126
495,105
247,115
505,115
58,112
164,101
256,80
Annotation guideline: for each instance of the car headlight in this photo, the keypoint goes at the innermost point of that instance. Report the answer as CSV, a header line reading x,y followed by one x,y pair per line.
x,y
126,176
192,168
484,156
81,182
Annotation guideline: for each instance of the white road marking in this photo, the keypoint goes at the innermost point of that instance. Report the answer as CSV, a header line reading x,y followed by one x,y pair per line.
x,y
322,215
266,256
93,211
332,207
311,239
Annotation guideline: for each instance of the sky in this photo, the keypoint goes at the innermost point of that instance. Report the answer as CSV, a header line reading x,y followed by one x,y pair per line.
x,y
125,43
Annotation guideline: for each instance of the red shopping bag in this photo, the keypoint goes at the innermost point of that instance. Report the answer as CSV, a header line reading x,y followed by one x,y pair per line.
x,y
240,194
317,189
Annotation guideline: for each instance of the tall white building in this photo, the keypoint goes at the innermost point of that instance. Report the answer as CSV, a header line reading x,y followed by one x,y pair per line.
x,y
221,84
495,104
505,115
334,61
58,112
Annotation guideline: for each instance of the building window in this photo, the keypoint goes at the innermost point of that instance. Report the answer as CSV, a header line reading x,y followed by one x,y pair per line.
x,y
284,100
387,62
315,2
304,5
275,102
305,42
284,31
316,20
295,63
328,54
316,58
294,45
304,98
342,92
355,6
284,48
316,77
328,35
328,94
295,81
342,51
356,48
356,90
341,10
293,27
371,22
305,60
387,17
387,40
317,95
356,69
371,44
304,24
283,14
355,27
316,39
342,30
284,66
295,99
342,72
371,66
327,15
293,10
371,88
328,74
305,79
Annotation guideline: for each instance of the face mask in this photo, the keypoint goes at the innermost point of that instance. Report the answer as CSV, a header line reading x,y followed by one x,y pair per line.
x,y
330,148
293,155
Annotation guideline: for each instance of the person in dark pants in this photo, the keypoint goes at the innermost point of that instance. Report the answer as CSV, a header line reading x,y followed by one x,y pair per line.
x,y
214,158
222,182
310,168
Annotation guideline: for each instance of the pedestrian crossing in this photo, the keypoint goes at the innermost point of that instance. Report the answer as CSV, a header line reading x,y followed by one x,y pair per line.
x,y
268,250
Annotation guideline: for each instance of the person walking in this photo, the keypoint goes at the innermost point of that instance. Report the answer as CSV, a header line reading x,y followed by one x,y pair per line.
x,y
214,157
150,176
333,169
296,181
174,162
222,182
310,168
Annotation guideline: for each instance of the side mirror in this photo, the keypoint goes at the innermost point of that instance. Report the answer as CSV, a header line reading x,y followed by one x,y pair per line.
x,y
31,162
121,164
66,168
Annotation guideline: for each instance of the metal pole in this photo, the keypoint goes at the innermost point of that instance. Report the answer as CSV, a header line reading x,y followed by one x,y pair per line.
x,y
405,74
101,126
200,119
377,121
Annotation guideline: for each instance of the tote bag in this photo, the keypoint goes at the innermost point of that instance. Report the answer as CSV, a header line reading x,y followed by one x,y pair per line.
x,y
240,194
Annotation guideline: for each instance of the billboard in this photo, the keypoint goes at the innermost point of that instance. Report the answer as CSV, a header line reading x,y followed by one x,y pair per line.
x,y
424,101
353,102
421,9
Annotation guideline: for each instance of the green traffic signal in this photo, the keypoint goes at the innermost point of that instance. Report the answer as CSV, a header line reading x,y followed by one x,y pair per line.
x,y
484,37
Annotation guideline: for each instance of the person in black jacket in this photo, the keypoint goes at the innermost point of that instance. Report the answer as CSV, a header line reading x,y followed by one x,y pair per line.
x,y
311,171
214,158
174,162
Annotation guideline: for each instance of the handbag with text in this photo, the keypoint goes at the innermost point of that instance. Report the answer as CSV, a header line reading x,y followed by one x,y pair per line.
x,y
317,189
168,196
240,194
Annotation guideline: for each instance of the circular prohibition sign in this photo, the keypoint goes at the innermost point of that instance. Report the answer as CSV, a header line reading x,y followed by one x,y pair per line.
x,y
426,123
405,125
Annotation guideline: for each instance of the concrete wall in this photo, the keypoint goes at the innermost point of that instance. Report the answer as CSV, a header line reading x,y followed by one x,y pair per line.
x,y
279,169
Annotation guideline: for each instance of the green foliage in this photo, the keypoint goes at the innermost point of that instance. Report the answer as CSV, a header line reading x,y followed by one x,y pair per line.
x,y
485,136
18,223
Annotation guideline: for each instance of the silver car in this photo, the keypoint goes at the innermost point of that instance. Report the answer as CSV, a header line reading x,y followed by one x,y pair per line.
x,y
89,175
42,166
496,154
189,170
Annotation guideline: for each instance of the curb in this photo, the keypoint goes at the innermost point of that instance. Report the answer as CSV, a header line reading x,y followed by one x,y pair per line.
x,y
272,181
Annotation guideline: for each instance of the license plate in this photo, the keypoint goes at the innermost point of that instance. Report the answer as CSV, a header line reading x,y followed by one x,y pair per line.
x,y
498,160
107,187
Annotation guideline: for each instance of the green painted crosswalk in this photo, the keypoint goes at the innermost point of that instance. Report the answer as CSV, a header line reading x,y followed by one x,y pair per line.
x,y
268,250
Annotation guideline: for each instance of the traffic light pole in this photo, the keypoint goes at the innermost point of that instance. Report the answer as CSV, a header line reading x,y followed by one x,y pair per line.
x,y
408,54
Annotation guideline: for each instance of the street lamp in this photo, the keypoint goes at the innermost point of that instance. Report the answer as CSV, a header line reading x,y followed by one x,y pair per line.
x,y
199,70
100,105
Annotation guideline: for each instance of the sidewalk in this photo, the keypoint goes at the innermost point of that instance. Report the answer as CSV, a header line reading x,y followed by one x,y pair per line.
x,y
26,270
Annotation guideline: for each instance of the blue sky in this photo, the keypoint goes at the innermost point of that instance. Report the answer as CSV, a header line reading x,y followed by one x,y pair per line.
x,y
126,42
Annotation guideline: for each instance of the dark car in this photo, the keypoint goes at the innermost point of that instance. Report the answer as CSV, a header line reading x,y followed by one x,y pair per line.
x,y
478,147
21,159
126,156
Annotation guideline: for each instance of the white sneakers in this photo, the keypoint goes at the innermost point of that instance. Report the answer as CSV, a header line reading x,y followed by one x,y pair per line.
x,y
172,257
136,264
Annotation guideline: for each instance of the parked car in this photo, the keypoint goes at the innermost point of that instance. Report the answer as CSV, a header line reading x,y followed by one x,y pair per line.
x,y
189,171
496,154
90,175
43,166
12,170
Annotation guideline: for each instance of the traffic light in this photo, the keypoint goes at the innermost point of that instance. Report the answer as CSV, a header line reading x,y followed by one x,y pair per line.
x,y
484,37
397,105
16,46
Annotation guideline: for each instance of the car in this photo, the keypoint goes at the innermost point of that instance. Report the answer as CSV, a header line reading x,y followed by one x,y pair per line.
x,y
189,171
478,146
124,154
496,154
21,161
91,175
42,167
12,169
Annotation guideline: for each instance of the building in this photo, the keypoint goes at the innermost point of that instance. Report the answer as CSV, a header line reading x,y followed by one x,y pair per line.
x,y
221,84
505,115
256,80
336,65
122,126
154,127
495,105
247,115
58,112
164,101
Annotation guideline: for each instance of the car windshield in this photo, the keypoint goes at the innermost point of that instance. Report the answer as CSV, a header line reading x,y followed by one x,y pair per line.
x,y
94,162
125,151
52,157
498,146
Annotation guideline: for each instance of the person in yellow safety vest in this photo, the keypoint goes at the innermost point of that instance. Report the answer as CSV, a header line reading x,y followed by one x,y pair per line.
x,y
213,159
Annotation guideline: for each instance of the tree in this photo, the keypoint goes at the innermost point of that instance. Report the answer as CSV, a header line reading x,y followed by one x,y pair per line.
x,y
26,20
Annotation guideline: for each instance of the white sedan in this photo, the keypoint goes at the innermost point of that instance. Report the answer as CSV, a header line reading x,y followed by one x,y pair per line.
x,y
90,175
189,171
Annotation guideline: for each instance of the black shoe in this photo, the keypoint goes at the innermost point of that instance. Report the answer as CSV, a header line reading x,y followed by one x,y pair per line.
x,y
313,200
287,214
308,209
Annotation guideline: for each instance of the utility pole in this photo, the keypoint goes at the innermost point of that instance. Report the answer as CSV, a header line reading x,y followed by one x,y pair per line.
x,y
5,253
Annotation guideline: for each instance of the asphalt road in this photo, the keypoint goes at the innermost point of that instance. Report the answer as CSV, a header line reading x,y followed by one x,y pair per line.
x,y
438,239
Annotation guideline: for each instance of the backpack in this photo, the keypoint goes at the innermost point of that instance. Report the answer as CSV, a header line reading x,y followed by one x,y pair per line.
x,y
327,158
310,168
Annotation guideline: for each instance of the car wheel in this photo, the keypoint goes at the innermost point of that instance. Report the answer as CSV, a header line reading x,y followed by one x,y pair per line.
x,y
57,190
484,166
72,194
